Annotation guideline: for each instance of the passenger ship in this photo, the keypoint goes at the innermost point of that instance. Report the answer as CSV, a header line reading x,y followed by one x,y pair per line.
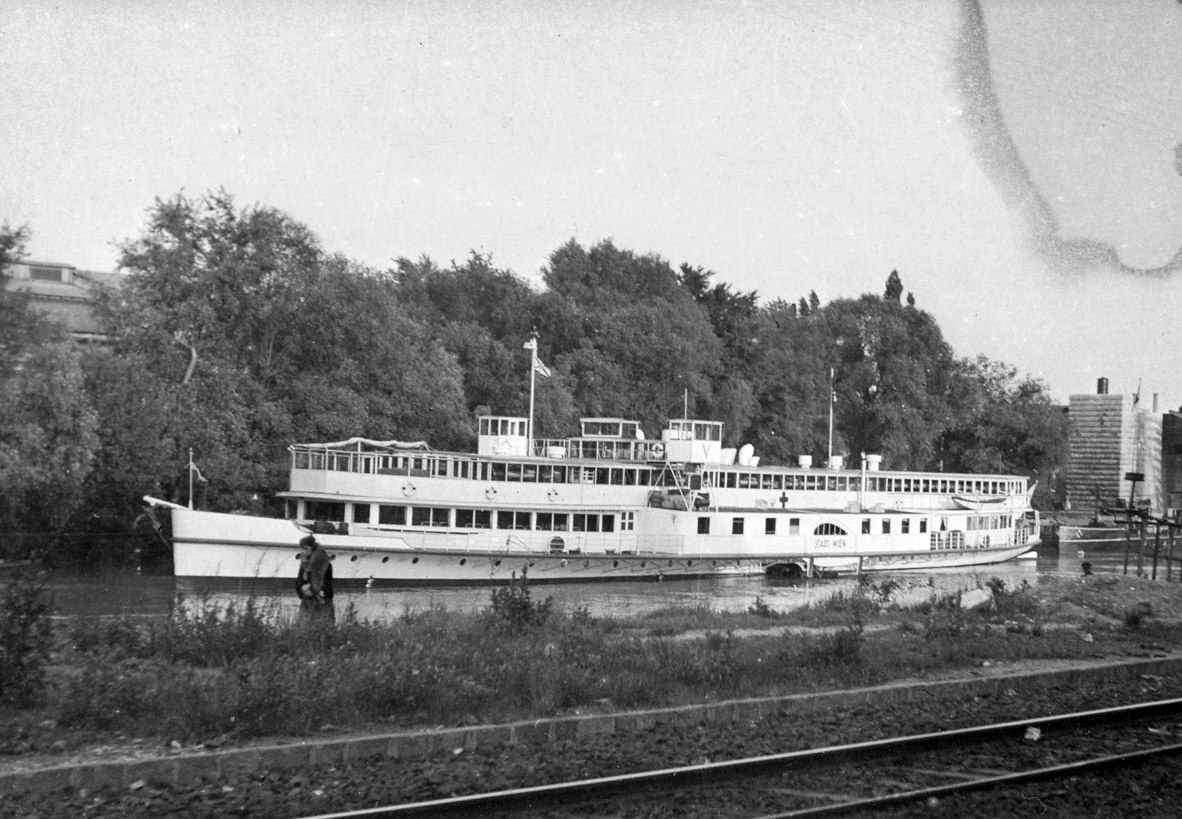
x,y
606,505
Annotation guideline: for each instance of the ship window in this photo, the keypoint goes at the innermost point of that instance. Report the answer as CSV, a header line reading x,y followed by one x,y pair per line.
x,y
905,526
324,510
703,526
291,509
748,481
629,477
765,482
769,526
865,526
617,477
608,524
886,526
545,474
644,477
513,472
560,521
601,475
627,521
777,482
361,512
732,480
428,516
829,529
794,526
923,525
529,474
544,521
498,472
737,526
586,523
484,426
392,515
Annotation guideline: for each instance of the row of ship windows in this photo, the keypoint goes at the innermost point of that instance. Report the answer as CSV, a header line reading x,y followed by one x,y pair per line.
x,y
442,517
443,467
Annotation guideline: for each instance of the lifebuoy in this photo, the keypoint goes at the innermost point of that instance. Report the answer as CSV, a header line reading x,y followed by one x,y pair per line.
x,y
408,489
552,494
491,493
656,450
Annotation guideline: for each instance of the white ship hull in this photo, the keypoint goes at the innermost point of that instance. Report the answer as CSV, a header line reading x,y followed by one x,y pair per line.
x,y
213,545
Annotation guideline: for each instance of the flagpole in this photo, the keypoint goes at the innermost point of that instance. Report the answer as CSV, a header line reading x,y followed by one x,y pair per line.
x,y
529,430
830,417
190,477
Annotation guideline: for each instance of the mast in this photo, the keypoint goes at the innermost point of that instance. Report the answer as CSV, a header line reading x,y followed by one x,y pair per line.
x,y
831,396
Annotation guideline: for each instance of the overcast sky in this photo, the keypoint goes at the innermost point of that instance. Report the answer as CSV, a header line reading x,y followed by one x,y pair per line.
x,y
1019,163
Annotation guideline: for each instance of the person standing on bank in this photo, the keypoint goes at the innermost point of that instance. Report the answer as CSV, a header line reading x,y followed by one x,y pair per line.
x,y
302,585
318,575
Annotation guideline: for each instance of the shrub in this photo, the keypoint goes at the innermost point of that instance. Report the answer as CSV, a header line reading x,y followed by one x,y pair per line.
x,y
760,608
25,639
513,606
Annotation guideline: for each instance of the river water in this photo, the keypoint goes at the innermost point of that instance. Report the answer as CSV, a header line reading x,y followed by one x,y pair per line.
x,y
137,595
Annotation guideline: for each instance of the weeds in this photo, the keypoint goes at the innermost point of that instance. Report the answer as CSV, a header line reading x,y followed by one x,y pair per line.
x,y
25,639
760,608
513,606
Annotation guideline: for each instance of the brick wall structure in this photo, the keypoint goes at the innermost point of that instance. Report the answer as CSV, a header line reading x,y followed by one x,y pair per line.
x,y
1110,437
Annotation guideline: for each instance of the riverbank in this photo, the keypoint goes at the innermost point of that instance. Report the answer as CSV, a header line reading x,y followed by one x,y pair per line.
x,y
225,677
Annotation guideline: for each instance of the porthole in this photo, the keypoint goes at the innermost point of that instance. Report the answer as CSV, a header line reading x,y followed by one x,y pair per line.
x,y
670,562
713,562
332,557
498,563
386,559
689,563
463,561
416,560
642,564
586,564
353,559
615,564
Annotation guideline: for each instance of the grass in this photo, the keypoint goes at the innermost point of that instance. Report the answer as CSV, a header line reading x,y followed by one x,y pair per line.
x,y
208,673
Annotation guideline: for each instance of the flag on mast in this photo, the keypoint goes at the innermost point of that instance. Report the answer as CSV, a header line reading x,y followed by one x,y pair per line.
x,y
540,368
197,472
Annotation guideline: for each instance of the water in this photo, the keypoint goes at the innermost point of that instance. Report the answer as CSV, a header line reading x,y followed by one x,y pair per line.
x,y
124,594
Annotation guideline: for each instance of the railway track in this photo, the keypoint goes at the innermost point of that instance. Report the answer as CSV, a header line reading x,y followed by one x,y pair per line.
x,y
845,779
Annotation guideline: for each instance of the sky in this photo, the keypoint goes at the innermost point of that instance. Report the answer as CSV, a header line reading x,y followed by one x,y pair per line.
x,y
1019,163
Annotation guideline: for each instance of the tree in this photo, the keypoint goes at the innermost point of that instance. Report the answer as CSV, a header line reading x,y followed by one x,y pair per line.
x,y
894,379
245,335
48,438
645,343
47,426
1006,425
894,287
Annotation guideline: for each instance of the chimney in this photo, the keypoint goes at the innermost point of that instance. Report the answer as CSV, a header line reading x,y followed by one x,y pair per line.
x,y
1155,402
1102,387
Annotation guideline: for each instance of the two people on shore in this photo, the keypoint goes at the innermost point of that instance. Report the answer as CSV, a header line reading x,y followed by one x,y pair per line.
x,y
314,580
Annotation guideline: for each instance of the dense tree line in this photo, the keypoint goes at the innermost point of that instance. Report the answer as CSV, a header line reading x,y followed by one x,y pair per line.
x,y
236,334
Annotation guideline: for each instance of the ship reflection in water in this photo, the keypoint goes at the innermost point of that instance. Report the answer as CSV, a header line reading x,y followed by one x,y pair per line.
x,y
155,596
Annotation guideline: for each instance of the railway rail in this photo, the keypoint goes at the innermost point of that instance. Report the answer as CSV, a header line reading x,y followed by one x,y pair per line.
x,y
845,779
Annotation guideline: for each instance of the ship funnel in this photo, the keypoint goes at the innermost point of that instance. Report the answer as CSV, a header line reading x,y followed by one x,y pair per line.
x,y
805,461
1102,386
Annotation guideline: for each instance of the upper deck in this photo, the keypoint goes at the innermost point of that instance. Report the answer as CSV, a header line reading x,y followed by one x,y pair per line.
x,y
614,452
